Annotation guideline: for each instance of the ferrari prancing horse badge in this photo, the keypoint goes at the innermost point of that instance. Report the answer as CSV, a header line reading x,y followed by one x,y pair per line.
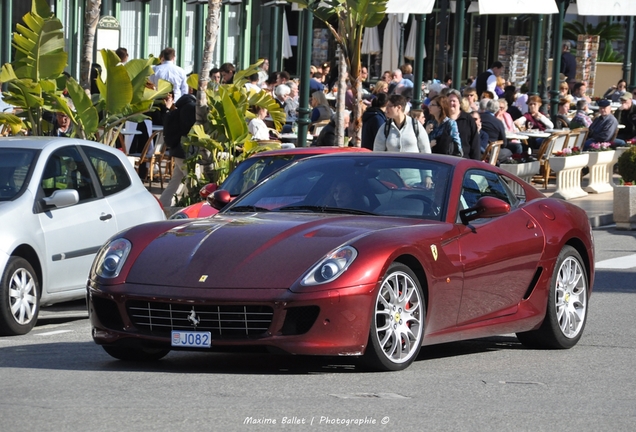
x,y
434,252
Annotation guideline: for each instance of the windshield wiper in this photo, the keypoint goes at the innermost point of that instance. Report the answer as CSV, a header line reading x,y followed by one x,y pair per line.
x,y
323,209
248,208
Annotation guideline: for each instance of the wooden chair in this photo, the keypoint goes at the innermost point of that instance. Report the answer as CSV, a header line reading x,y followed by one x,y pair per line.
x,y
491,154
139,159
158,160
315,128
556,140
578,137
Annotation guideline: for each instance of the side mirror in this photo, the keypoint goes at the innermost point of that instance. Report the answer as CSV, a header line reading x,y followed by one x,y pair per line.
x,y
62,198
486,207
219,199
207,190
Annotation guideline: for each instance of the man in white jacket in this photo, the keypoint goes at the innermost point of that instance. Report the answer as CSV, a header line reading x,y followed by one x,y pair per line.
x,y
401,133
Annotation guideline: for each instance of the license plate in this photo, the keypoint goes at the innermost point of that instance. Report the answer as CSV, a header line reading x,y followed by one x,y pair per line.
x,y
191,339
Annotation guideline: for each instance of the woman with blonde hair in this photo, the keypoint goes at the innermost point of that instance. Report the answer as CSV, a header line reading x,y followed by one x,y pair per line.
x,y
321,109
380,87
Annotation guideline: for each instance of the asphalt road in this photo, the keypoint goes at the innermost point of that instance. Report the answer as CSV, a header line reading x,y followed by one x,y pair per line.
x,y
57,379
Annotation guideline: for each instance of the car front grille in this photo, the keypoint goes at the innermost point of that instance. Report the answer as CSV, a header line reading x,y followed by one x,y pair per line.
x,y
223,321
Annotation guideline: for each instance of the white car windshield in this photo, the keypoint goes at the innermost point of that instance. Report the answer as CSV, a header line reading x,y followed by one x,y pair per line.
x,y
15,165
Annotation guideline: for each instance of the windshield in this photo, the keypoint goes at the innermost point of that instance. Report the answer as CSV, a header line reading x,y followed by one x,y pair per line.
x,y
252,170
15,165
386,186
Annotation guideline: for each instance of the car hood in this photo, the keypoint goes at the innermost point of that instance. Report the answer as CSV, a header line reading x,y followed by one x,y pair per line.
x,y
269,250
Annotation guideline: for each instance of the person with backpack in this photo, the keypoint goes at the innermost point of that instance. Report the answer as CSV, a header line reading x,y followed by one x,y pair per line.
x,y
177,122
400,134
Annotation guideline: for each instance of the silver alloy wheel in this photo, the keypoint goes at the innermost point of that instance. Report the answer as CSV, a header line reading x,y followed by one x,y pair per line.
x,y
398,315
22,296
571,297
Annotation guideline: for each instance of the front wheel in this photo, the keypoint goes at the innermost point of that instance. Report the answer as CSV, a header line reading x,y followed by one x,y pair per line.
x,y
19,298
566,312
136,353
397,325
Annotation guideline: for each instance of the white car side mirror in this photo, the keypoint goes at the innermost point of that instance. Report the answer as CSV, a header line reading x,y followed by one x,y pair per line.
x,y
62,198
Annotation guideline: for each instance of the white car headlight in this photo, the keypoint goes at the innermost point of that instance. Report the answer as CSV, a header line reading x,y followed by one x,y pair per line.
x,y
330,267
111,258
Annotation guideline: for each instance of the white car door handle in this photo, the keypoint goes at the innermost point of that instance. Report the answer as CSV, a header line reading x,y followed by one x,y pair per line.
x,y
104,217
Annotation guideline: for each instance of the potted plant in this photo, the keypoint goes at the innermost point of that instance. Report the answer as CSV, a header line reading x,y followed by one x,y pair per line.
x,y
522,165
601,158
625,193
568,164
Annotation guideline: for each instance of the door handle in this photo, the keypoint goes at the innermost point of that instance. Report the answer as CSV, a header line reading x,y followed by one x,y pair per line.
x,y
104,217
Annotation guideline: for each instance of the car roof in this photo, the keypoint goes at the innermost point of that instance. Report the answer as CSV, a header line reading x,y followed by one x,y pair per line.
x,y
38,143
311,151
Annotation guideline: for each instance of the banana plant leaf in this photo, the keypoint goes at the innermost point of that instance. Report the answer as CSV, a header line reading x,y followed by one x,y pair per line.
x,y
85,116
119,92
13,122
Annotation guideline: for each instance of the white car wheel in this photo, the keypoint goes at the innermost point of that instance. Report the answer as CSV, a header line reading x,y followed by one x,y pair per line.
x,y
19,298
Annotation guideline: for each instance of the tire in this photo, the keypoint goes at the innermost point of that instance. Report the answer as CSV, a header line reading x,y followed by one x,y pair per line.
x,y
19,298
136,353
566,312
397,323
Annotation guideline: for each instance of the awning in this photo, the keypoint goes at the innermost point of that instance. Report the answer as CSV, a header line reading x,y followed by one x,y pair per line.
x,y
371,41
606,8
410,6
516,7
409,51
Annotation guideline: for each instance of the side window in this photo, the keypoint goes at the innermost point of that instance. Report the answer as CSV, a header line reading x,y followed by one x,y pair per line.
x,y
111,173
66,169
477,184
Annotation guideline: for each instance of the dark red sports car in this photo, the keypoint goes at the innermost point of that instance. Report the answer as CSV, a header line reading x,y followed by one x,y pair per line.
x,y
370,254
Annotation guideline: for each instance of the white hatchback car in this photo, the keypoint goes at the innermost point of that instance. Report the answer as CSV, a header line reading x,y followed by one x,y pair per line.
x,y
60,200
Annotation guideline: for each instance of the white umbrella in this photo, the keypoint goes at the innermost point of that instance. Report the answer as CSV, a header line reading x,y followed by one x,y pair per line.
x,y
391,44
287,49
409,52
371,41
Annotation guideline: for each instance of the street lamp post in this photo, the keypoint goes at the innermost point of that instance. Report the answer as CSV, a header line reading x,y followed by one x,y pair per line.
x,y
304,110
556,57
458,46
418,62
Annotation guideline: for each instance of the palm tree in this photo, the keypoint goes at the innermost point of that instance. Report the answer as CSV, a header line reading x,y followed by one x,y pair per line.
x,y
607,32
91,18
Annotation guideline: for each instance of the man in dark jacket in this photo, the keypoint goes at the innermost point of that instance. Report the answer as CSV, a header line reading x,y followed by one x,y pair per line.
x,y
491,124
373,119
626,115
466,125
568,64
177,122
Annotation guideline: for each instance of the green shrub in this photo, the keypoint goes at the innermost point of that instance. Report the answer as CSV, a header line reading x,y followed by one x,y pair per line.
x,y
627,165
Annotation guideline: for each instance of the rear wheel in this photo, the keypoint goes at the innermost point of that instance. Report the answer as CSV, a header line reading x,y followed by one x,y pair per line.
x,y
397,325
19,298
136,353
566,313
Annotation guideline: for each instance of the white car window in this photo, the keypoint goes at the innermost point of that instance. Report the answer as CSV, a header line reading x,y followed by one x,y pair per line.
x,y
65,169
112,175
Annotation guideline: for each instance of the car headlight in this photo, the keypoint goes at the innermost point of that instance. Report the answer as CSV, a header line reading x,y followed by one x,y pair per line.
x,y
111,258
330,267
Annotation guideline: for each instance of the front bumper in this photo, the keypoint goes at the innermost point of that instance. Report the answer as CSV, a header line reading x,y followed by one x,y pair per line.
x,y
334,322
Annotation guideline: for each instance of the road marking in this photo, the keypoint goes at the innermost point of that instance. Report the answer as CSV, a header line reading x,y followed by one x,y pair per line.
x,y
625,262
54,332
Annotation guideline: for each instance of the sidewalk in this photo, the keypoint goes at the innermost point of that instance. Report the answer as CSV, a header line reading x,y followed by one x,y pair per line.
x,y
599,207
